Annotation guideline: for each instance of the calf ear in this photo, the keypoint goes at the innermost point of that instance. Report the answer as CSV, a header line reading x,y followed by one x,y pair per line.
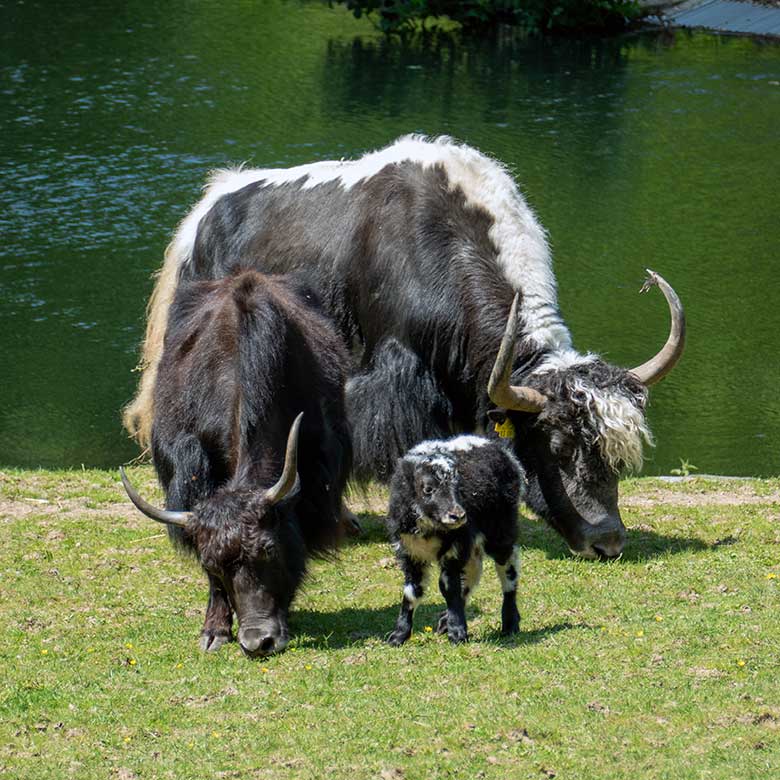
x,y
407,470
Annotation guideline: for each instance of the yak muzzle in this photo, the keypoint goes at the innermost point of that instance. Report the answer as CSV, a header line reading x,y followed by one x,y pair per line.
x,y
455,517
259,642
605,540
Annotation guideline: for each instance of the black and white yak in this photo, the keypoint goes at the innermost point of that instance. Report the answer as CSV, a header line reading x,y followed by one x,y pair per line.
x,y
417,251
250,442
451,502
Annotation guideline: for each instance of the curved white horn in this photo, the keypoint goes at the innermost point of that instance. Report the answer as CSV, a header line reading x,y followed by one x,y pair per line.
x,y
655,369
503,394
160,515
286,482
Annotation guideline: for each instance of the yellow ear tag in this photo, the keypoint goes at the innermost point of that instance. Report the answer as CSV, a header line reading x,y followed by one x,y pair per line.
x,y
505,429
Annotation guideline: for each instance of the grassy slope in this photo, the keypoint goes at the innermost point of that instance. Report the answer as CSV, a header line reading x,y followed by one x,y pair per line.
x,y
663,664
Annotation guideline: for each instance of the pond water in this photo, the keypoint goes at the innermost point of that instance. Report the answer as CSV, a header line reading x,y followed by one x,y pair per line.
x,y
656,150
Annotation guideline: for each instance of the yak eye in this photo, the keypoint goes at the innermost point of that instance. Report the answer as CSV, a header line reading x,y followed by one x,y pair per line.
x,y
428,489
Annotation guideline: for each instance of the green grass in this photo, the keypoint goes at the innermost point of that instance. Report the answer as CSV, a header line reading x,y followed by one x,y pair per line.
x,y
664,664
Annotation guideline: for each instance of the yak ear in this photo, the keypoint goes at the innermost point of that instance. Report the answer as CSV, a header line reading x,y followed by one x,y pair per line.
x,y
497,416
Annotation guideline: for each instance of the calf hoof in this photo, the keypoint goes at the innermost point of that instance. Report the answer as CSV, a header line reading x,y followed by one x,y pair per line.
x,y
398,637
510,620
211,641
441,626
457,635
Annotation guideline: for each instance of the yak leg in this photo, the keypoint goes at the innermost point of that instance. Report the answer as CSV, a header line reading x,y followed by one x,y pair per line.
x,y
414,577
451,587
217,628
508,569
471,575
350,525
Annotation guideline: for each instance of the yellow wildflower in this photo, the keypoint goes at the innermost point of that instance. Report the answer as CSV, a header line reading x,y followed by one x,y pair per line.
x,y
740,662
44,651
428,629
640,633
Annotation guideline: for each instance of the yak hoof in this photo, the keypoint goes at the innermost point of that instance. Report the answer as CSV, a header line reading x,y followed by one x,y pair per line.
x,y
350,525
397,638
211,641
441,627
458,635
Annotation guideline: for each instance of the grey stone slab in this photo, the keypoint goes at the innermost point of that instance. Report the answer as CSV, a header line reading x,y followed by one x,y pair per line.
x,y
727,16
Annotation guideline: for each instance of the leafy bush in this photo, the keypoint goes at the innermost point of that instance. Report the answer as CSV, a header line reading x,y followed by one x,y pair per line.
x,y
535,15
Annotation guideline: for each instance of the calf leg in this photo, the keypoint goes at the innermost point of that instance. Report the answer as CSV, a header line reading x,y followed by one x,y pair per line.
x,y
472,573
217,628
414,577
451,587
508,570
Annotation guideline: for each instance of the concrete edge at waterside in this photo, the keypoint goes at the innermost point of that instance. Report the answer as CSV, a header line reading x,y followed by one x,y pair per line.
x,y
728,16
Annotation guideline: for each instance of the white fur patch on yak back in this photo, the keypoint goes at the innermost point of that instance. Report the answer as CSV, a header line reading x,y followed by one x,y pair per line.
x,y
523,252
620,426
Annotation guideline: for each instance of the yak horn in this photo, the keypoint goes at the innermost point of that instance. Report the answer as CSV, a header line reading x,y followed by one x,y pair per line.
x,y
290,472
160,515
659,366
517,397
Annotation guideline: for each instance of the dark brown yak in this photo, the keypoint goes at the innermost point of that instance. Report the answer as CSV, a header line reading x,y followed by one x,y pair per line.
x,y
250,443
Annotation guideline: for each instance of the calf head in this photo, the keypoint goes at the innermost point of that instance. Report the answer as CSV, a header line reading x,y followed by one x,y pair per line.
x,y
435,482
248,540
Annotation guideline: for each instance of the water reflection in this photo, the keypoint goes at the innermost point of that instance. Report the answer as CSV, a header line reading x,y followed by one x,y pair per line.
x,y
653,150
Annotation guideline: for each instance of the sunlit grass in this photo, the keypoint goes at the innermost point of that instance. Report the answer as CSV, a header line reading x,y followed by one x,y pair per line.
x,y
662,664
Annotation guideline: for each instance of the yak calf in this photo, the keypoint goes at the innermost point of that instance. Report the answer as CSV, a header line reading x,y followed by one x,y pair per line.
x,y
451,501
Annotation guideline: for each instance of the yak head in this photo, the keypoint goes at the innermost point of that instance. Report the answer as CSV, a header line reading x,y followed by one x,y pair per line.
x,y
434,482
579,424
249,541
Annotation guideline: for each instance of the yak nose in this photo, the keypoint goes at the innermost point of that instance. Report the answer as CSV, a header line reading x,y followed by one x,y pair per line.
x,y
456,515
609,544
257,642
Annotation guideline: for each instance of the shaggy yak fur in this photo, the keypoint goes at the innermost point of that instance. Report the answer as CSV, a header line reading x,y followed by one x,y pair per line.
x,y
451,502
416,252
243,357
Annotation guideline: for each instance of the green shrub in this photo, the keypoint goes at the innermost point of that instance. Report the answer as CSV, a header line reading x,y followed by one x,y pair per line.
x,y
535,15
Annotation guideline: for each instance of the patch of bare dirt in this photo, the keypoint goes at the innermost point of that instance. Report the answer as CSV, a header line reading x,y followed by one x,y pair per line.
x,y
738,495
12,509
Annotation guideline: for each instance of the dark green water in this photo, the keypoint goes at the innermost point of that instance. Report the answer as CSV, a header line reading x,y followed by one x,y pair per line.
x,y
658,151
